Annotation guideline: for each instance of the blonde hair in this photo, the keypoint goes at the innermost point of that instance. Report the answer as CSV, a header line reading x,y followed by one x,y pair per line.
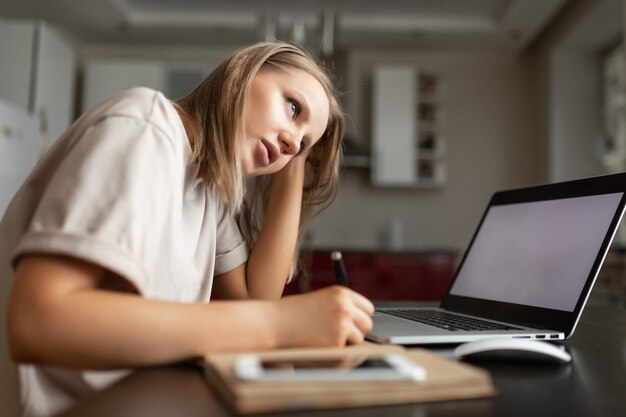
x,y
213,116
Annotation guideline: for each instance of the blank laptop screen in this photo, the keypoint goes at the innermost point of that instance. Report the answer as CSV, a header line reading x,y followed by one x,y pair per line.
x,y
537,253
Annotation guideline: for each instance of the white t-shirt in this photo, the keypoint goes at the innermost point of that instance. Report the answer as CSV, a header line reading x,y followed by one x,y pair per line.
x,y
116,190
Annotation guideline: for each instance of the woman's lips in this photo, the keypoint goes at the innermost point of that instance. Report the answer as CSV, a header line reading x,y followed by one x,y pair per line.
x,y
271,152
262,154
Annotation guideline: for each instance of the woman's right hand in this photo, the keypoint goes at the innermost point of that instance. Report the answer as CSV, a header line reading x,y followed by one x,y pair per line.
x,y
333,316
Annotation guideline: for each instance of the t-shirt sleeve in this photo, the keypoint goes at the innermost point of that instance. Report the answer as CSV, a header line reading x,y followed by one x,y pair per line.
x,y
107,201
232,250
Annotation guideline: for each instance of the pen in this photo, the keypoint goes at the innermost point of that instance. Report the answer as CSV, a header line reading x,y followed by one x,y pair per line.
x,y
340,268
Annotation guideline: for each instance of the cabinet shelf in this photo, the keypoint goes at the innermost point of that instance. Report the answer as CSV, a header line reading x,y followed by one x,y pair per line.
x,y
424,126
430,155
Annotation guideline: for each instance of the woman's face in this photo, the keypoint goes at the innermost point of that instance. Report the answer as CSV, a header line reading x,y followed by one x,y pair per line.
x,y
286,113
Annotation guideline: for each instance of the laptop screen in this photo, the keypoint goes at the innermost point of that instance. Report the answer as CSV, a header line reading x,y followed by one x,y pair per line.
x,y
537,253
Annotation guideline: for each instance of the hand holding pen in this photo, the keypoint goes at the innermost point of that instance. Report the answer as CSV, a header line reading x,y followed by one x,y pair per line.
x,y
340,268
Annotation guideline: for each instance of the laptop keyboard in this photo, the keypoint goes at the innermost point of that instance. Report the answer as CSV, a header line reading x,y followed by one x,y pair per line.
x,y
443,320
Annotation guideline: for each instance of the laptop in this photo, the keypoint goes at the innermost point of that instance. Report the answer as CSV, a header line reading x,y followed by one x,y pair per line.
x,y
527,272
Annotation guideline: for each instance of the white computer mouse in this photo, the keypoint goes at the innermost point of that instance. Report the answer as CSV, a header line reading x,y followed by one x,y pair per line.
x,y
513,349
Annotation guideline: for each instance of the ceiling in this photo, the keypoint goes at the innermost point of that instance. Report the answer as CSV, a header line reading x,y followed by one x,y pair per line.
x,y
329,24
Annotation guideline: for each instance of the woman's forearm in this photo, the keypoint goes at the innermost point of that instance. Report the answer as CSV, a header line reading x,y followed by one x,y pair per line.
x,y
273,252
57,316
109,330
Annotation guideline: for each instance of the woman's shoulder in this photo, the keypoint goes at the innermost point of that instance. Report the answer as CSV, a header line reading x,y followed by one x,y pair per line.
x,y
139,94
141,103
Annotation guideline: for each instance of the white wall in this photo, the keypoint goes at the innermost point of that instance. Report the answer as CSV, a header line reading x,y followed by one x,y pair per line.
x,y
510,122
575,91
575,115
498,131
489,132
490,143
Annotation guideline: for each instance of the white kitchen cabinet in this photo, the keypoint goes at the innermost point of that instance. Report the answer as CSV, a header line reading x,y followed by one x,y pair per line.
x,y
105,77
38,73
393,126
408,147
19,149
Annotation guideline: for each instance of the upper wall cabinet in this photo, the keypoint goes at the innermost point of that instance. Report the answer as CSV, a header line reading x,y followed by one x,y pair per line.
x,y
408,147
38,68
104,77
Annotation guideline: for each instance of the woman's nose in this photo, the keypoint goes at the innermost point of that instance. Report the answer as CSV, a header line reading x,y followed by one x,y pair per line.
x,y
289,144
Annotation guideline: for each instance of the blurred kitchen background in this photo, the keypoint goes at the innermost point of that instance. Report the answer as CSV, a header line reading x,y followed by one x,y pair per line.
x,y
447,102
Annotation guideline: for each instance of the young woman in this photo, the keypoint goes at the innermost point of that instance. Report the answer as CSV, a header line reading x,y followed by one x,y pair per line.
x,y
115,241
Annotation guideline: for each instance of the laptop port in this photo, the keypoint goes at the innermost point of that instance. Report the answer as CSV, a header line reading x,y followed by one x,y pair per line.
x,y
540,336
554,336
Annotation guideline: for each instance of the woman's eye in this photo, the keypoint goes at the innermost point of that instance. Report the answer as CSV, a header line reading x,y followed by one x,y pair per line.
x,y
294,107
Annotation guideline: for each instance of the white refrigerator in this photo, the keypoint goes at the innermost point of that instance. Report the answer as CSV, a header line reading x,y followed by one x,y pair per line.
x,y
19,149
